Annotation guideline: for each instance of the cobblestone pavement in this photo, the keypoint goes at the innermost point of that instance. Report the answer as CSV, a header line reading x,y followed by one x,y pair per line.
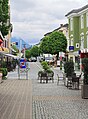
x,y
52,101
15,99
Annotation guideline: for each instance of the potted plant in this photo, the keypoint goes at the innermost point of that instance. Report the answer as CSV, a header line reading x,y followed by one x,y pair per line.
x,y
68,70
46,70
85,79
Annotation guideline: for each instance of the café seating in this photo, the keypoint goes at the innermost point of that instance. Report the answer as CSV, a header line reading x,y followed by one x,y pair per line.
x,y
73,81
44,76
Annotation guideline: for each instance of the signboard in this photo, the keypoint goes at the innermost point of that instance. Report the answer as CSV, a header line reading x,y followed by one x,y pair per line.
x,y
71,48
22,63
79,52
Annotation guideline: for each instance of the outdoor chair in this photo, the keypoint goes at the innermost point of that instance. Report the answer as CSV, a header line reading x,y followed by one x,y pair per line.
x,y
42,76
75,81
61,77
51,76
69,81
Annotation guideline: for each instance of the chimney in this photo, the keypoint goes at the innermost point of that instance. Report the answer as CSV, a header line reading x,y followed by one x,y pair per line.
x,y
61,25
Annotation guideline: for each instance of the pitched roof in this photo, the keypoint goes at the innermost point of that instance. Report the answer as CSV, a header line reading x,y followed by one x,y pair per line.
x,y
62,25
77,10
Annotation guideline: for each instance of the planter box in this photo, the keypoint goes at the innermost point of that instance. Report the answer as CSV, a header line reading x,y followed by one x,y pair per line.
x,y
84,91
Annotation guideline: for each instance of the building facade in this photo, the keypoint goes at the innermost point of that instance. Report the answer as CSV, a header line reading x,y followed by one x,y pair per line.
x,y
78,31
5,45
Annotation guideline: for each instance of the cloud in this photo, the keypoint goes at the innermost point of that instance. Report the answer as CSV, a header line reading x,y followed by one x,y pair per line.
x,y
32,19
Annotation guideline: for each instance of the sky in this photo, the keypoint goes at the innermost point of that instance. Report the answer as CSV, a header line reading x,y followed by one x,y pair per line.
x,y
31,19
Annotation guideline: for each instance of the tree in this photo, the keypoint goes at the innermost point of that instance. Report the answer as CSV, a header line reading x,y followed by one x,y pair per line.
x,y
15,48
27,54
4,17
34,51
54,43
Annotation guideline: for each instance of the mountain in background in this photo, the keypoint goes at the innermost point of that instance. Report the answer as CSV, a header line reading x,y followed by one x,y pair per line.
x,y
19,41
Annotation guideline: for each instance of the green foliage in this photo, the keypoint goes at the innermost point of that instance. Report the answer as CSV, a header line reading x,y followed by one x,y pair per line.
x,y
3,64
54,43
45,65
50,71
4,71
69,68
15,48
34,51
44,45
27,54
85,70
46,69
4,17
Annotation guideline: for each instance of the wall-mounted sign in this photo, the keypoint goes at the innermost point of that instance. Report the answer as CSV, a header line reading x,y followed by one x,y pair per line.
x,y
79,51
71,48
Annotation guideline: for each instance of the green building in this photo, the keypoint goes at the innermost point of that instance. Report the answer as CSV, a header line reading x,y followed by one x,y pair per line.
x,y
78,32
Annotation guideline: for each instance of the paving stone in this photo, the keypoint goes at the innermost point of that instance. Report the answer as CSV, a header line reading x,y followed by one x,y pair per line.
x,y
57,102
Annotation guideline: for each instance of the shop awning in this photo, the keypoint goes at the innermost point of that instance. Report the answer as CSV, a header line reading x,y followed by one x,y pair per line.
x,y
84,50
13,56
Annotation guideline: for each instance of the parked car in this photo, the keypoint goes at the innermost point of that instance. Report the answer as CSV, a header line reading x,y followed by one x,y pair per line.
x,y
49,59
40,58
33,59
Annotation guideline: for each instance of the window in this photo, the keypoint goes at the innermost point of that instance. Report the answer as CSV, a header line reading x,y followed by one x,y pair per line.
x,y
82,21
87,19
82,42
72,42
87,40
71,24
77,45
